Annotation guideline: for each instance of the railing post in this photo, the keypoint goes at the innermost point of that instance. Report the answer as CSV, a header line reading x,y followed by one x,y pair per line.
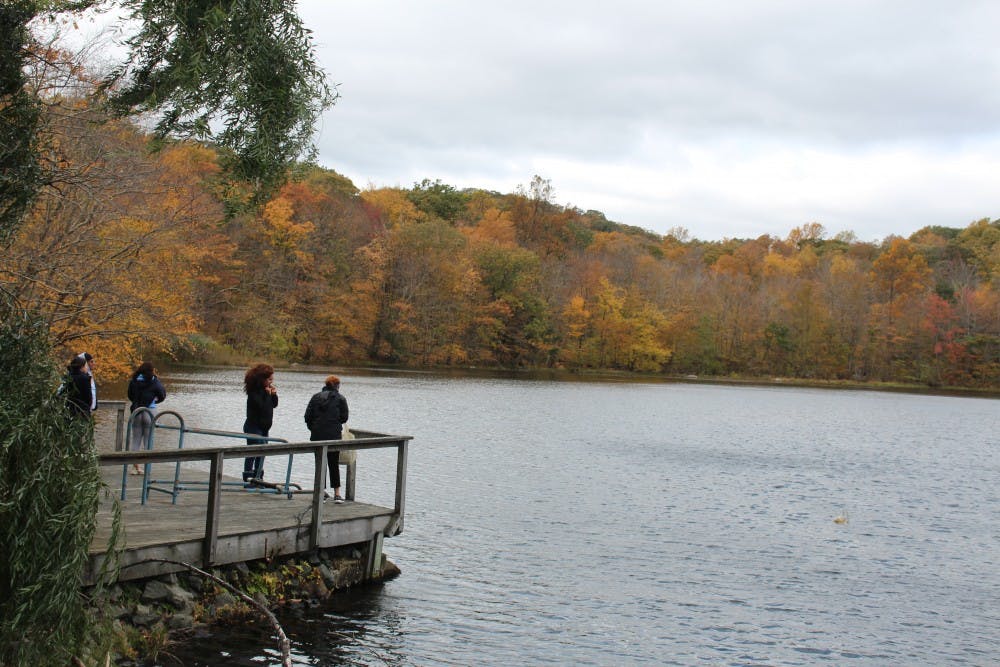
x,y
374,564
352,476
120,428
319,486
212,511
401,454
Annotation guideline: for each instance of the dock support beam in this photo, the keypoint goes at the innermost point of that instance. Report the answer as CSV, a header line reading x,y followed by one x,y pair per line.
x,y
401,457
374,567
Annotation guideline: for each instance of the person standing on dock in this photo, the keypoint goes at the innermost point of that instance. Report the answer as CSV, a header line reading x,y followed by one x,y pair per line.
x,y
144,391
262,399
325,417
89,370
76,388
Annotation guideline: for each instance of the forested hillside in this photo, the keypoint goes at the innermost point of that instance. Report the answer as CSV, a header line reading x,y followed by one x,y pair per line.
x,y
132,253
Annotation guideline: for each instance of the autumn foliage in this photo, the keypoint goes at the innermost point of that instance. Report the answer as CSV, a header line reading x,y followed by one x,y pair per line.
x,y
133,254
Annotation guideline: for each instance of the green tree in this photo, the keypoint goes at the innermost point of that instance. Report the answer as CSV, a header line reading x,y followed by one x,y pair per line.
x,y
437,199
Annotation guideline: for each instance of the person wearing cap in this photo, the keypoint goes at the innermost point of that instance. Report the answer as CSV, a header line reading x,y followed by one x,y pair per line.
x,y
77,388
325,416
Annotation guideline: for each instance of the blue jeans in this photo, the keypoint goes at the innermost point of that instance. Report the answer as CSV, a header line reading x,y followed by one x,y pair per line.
x,y
253,466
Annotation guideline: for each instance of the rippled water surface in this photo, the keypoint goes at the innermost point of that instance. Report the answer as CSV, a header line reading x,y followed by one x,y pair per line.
x,y
605,523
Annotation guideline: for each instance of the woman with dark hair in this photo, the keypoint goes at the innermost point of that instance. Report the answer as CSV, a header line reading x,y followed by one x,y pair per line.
x,y
144,391
262,399
77,388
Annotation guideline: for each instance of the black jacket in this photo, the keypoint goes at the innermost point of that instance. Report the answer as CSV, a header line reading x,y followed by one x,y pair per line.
x,y
78,393
325,414
260,409
142,391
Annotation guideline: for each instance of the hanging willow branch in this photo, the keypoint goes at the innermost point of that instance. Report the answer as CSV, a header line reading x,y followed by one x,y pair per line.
x,y
50,486
239,73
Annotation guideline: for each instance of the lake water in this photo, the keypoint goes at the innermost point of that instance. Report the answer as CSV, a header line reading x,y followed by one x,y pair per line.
x,y
614,523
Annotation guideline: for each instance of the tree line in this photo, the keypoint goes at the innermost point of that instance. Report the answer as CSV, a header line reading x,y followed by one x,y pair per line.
x,y
135,253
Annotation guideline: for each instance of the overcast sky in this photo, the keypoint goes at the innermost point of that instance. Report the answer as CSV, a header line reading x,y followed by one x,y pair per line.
x,y
727,118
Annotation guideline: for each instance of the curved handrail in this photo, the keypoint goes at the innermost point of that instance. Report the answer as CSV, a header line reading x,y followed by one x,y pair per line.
x,y
182,428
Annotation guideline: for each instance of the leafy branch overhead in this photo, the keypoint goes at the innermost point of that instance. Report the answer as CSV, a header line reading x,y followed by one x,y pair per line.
x,y
238,72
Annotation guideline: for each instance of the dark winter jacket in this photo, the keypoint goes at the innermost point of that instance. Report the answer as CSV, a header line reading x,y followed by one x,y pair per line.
x,y
76,388
260,410
142,391
326,414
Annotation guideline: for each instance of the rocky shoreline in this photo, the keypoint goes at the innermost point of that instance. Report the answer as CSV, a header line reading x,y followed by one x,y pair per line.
x,y
143,616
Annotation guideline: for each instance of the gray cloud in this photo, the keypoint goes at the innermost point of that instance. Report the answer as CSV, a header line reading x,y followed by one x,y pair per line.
x,y
646,94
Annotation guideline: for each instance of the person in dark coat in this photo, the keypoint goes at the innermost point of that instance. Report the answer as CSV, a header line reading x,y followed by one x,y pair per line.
x,y
325,416
262,399
144,391
89,370
77,390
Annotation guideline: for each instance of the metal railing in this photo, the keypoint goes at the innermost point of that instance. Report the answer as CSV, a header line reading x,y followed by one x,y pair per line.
x,y
216,457
176,484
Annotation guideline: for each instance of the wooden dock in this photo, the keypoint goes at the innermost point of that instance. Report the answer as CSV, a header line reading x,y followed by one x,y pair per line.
x,y
219,523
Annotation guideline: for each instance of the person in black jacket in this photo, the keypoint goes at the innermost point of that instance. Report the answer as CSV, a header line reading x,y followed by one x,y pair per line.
x,y
144,391
76,389
262,399
89,370
325,417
